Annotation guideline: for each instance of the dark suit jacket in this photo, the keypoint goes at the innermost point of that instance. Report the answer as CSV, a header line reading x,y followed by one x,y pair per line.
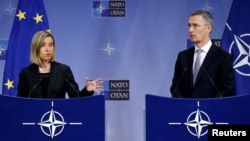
x,y
61,80
217,68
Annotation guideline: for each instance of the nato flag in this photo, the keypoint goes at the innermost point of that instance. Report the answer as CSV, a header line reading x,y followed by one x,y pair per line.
x,y
236,40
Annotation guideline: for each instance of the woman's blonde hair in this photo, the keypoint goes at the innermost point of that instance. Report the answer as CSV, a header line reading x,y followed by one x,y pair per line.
x,y
36,45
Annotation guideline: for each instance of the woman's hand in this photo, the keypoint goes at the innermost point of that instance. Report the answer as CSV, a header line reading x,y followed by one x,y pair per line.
x,y
94,85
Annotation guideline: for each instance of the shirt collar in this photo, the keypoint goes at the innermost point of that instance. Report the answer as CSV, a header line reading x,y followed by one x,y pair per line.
x,y
206,47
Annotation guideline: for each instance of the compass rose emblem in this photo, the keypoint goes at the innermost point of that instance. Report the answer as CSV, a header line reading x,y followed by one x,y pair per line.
x,y
52,123
197,122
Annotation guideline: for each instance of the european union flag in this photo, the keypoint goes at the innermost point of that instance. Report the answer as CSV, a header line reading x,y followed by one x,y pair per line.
x,y
236,40
30,17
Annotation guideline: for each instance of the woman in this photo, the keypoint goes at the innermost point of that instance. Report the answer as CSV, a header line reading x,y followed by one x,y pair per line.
x,y
46,78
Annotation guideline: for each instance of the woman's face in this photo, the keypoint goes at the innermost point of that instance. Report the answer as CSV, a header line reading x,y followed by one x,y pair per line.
x,y
47,49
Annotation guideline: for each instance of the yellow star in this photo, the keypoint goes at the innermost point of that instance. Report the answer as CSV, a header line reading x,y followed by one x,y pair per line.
x,y
9,84
21,15
38,18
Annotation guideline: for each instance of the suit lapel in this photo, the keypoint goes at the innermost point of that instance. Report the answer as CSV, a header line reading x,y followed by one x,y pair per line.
x,y
190,62
210,56
36,80
209,59
52,81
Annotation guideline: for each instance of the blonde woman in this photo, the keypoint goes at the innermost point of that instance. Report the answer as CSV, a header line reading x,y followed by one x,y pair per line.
x,y
46,78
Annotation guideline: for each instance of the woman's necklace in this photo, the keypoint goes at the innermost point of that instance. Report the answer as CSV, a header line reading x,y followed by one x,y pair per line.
x,y
43,69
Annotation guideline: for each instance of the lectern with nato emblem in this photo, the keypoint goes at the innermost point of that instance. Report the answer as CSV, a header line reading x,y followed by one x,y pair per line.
x,y
177,119
76,119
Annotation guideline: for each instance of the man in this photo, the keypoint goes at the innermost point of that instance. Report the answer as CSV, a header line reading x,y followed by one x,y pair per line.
x,y
215,73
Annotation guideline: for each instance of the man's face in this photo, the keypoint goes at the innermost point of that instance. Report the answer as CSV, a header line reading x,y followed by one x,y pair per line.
x,y
198,29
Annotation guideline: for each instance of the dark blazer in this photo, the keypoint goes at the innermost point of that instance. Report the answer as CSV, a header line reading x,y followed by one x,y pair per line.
x,y
215,78
61,81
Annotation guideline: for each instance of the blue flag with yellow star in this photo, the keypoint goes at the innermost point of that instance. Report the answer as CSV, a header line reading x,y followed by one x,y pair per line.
x,y
236,40
30,17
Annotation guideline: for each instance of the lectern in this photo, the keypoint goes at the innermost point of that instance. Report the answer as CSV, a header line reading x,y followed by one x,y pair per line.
x,y
177,119
75,119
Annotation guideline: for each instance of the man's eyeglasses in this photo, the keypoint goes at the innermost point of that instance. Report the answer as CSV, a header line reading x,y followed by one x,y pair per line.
x,y
195,26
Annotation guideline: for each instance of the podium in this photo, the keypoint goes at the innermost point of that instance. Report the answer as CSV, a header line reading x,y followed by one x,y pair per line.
x,y
177,119
76,119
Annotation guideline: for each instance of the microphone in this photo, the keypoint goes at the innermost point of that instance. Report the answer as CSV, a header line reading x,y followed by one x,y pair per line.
x,y
211,80
33,88
73,87
179,81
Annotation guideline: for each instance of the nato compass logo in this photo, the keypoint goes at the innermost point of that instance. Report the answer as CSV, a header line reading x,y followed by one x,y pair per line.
x,y
100,8
52,123
109,49
109,8
3,49
240,48
7,8
197,122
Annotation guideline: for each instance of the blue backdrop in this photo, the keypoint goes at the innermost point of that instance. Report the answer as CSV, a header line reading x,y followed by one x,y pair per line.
x,y
144,46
